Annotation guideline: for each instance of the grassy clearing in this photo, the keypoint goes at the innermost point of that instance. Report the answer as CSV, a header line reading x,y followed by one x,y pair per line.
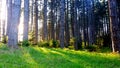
x,y
35,57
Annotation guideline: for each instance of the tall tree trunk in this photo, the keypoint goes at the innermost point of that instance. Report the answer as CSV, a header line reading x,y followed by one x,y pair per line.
x,y
9,14
84,24
32,6
14,22
77,36
3,32
62,22
0,18
52,19
72,16
114,28
67,32
36,22
45,32
89,7
26,19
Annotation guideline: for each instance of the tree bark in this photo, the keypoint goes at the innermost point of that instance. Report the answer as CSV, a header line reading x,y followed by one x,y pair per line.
x,y
114,28
67,32
36,22
62,22
14,22
26,20
89,7
45,32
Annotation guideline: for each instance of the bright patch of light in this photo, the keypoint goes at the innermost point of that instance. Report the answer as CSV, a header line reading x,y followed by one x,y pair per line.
x,y
3,17
101,1
20,27
3,10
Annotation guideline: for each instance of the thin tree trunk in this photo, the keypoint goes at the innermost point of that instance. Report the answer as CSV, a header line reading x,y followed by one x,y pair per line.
x,y
31,25
9,14
52,20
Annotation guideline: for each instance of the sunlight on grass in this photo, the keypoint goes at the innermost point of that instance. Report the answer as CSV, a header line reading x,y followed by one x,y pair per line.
x,y
57,53
44,50
37,57
29,59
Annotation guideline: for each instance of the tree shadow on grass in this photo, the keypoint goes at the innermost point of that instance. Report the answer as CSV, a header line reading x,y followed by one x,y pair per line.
x,y
89,60
51,59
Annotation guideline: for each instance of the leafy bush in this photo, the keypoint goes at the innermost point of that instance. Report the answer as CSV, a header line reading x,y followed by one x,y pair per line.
x,y
53,43
4,39
31,37
39,44
92,48
43,44
25,43
72,41
71,47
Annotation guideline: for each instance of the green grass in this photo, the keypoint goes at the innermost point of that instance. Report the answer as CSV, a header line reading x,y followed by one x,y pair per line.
x,y
37,57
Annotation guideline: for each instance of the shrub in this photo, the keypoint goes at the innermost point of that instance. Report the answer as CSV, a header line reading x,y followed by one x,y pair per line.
x,y
4,39
31,36
39,44
72,41
71,47
43,44
53,43
25,43
92,48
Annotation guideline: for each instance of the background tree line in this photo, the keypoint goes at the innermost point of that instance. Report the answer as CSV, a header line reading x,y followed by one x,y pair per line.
x,y
77,23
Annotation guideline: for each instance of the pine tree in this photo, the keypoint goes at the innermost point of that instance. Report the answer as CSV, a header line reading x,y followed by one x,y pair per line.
x,y
26,19
13,22
62,22
114,25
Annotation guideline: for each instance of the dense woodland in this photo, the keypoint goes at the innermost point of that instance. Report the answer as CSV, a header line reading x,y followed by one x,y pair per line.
x,y
76,24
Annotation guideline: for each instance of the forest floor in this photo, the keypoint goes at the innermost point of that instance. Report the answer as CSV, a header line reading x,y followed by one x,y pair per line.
x,y
38,57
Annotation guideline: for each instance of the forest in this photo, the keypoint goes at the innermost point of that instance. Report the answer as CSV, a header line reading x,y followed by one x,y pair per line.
x,y
59,33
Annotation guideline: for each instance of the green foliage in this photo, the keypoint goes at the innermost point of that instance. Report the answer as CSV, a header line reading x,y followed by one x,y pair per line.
x,y
4,39
71,47
31,36
92,48
25,43
72,41
43,44
53,43
104,50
